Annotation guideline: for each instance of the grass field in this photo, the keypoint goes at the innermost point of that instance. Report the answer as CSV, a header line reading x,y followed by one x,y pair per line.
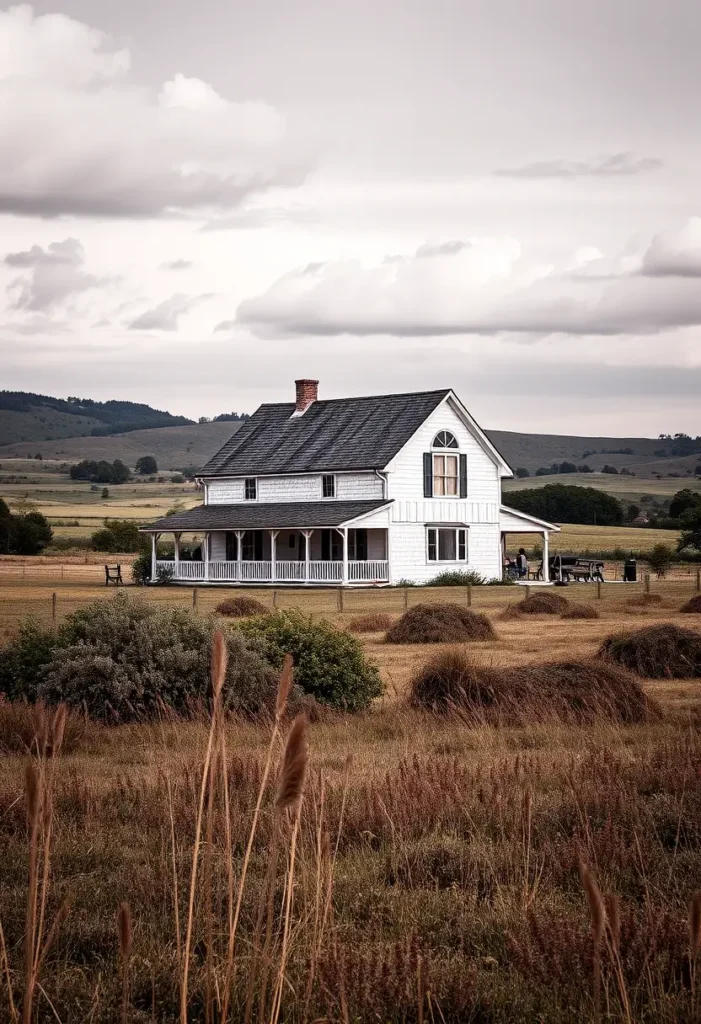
x,y
436,868
626,488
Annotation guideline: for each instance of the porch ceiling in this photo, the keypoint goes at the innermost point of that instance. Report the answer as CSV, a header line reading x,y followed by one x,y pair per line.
x,y
289,515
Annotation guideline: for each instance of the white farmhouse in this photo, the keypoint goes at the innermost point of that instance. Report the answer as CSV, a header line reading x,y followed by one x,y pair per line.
x,y
350,491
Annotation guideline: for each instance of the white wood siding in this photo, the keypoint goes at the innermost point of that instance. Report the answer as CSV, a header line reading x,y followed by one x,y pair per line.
x,y
408,561
349,487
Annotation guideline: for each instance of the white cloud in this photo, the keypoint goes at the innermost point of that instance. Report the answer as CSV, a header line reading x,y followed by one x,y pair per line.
x,y
614,166
166,315
79,137
675,253
482,286
49,275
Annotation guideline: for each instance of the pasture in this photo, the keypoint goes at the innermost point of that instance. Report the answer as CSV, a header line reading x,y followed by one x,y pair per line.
x,y
433,872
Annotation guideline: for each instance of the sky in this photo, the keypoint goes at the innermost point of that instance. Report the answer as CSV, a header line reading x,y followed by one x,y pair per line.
x,y
201,202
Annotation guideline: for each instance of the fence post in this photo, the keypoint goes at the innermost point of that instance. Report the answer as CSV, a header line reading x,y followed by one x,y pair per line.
x,y
598,589
274,598
406,598
339,603
528,592
647,582
194,599
698,579
53,609
469,595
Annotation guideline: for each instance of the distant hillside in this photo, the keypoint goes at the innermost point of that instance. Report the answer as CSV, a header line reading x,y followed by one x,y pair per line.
x,y
642,455
173,447
28,417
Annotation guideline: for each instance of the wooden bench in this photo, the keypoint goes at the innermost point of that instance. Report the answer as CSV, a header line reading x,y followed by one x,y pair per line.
x,y
113,574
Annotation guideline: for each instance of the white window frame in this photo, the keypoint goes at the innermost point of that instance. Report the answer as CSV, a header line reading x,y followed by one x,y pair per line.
x,y
247,480
457,530
446,453
443,440
332,477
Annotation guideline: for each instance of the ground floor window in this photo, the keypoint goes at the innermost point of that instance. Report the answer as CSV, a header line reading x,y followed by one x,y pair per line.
x,y
446,544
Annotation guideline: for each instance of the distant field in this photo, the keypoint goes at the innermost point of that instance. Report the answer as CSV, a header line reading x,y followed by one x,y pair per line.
x,y
623,487
575,538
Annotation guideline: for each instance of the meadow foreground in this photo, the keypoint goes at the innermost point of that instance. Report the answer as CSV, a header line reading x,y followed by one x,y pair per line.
x,y
419,867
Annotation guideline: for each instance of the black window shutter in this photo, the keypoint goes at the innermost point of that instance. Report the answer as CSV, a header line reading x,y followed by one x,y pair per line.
x,y
428,475
463,476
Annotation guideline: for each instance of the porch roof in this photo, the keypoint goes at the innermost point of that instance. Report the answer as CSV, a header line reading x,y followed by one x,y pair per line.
x,y
288,515
511,520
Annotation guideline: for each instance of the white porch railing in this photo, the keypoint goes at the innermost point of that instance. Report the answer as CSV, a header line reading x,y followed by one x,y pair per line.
x,y
284,572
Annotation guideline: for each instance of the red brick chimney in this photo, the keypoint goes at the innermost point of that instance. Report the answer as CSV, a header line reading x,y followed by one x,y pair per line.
x,y
307,391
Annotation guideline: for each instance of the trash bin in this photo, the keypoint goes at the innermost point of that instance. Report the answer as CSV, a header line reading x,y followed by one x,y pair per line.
x,y
630,570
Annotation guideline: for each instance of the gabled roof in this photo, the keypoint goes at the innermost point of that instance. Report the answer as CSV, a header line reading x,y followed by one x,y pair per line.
x,y
264,515
511,517
334,435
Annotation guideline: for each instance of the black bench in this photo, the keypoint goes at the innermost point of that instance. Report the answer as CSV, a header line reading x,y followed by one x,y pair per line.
x,y
113,574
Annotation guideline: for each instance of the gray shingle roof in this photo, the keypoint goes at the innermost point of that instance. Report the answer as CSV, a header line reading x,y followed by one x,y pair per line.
x,y
288,515
339,434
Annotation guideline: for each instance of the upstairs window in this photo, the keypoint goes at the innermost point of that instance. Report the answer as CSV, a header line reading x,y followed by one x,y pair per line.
x,y
251,489
328,486
445,475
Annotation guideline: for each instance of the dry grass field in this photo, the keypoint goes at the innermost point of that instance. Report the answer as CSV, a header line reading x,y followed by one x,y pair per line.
x,y
433,870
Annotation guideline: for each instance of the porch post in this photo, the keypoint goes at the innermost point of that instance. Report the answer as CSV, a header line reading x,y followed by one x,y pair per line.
x,y
273,554
239,552
205,555
307,552
546,556
176,567
154,556
345,555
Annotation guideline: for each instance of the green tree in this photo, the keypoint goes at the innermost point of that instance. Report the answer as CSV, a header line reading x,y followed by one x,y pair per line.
x,y
522,472
691,528
660,558
682,501
146,465
118,535
568,503
5,526
632,513
29,534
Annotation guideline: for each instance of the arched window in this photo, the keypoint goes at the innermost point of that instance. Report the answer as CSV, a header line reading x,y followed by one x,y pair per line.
x,y
444,439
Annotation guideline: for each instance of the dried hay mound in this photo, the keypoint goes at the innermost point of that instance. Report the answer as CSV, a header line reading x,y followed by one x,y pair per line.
x,y
692,606
580,611
574,692
644,601
440,624
373,622
545,603
662,651
242,607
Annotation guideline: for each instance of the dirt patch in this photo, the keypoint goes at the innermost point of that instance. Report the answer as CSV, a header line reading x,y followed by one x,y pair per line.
x,y
373,622
440,624
578,610
662,651
575,692
242,607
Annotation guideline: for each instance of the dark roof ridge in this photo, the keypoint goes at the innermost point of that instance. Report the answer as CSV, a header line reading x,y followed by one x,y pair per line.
x,y
358,398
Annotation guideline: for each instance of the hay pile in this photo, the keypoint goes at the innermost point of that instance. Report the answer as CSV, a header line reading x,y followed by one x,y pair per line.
x,y
692,606
440,624
580,611
373,622
545,603
662,651
242,607
576,692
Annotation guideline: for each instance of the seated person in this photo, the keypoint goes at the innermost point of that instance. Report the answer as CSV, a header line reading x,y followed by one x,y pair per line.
x,y
522,563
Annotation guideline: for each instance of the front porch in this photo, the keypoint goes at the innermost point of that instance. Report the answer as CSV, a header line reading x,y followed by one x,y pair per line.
x,y
313,572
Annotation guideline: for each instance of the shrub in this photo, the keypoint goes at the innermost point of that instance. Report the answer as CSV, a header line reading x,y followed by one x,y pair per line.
x,y
692,606
660,558
440,624
457,578
580,611
141,569
118,535
662,651
177,478
373,622
329,663
544,603
573,692
125,660
164,575
23,659
241,607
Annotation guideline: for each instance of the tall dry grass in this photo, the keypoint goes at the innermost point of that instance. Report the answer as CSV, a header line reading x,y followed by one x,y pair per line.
x,y
541,873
